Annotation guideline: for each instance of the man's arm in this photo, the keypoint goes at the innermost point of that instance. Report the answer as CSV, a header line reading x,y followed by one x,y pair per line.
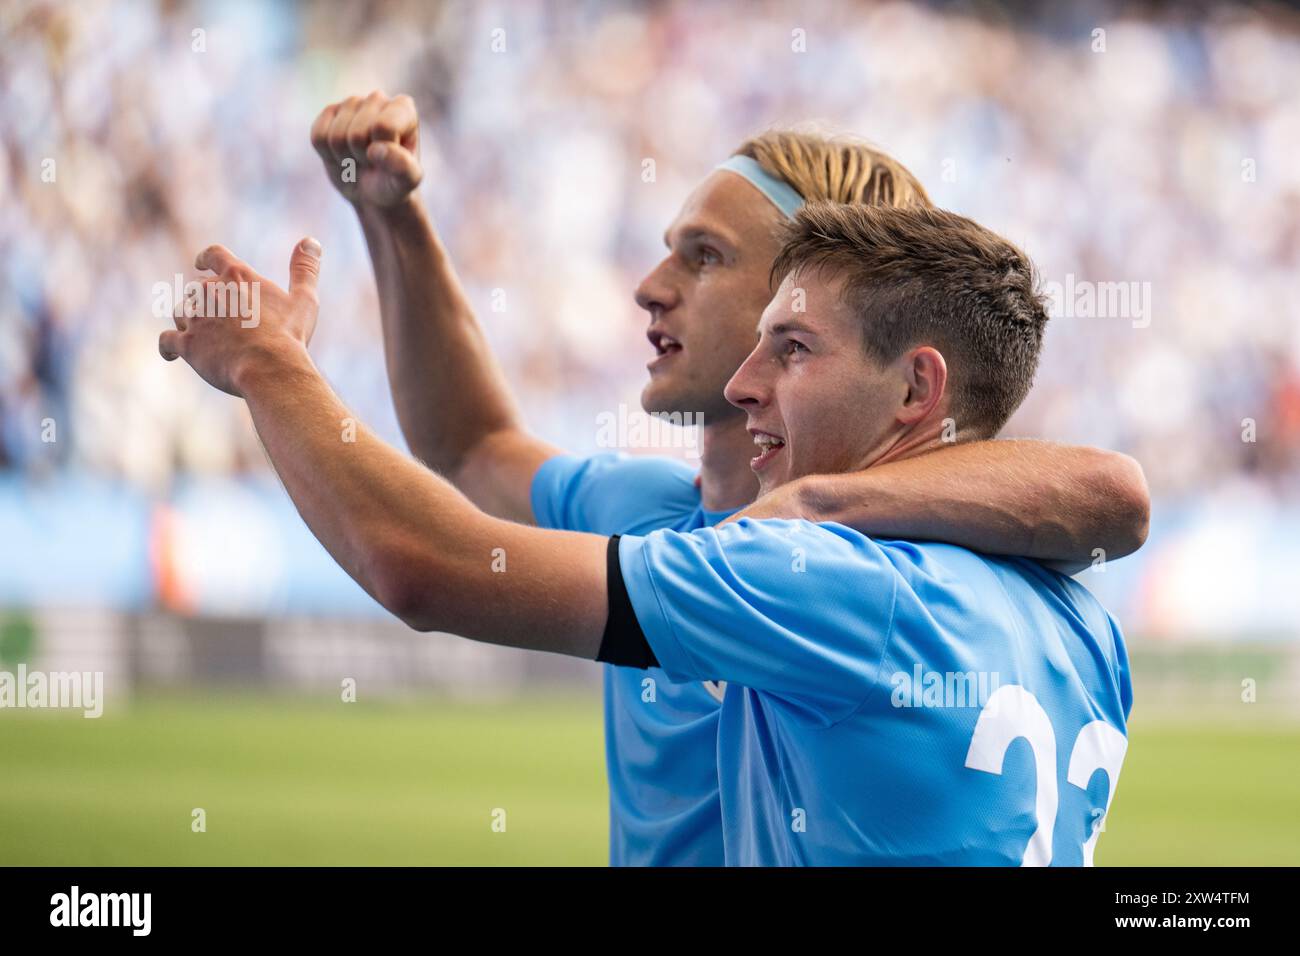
x,y
410,539
453,403
1054,503
417,545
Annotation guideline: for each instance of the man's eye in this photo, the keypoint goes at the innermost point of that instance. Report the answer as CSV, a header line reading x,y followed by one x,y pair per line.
x,y
792,347
709,257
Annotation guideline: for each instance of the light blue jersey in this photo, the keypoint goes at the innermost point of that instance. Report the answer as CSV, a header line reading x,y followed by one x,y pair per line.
x,y
660,736
889,702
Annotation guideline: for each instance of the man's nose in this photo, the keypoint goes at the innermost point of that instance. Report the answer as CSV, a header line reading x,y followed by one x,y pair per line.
x,y
656,292
747,389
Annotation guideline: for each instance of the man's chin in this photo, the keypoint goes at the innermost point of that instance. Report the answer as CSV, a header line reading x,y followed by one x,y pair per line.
x,y
659,399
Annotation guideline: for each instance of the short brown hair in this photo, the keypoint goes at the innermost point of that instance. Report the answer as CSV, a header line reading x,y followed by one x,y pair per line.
x,y
835,167
924,276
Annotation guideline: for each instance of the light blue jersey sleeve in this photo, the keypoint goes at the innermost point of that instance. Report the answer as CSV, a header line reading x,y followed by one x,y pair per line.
x,y
766,605
612,492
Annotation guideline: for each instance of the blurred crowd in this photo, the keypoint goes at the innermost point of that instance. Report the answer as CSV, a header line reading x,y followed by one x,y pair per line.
x,y
1152,150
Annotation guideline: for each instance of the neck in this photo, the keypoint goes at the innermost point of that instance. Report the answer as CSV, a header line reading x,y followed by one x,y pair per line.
x,y
909,444
726,480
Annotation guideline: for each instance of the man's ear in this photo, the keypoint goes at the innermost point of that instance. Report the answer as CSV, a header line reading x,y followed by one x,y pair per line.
x,y
926,374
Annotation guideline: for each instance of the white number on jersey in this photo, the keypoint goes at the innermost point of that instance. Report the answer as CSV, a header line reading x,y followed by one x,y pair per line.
x,y
1012,712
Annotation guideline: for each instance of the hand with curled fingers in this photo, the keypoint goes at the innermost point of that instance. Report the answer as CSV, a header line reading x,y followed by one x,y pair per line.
x,y
370,147
235,322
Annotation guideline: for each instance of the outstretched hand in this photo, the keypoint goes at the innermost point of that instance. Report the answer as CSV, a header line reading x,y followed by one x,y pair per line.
x,y
237,323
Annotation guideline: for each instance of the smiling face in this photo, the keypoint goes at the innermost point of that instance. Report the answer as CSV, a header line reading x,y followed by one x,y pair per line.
x,y
705,295
816,402
851,368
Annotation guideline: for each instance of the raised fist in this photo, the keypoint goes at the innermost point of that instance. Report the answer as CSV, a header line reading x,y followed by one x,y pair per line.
x,y
370,147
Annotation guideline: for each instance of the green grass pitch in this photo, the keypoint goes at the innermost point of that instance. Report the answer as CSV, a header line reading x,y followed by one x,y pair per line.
x,y
291,781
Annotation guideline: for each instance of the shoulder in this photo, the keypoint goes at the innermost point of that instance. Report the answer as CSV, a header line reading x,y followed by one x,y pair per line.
x,y
796,609
794,565
613,492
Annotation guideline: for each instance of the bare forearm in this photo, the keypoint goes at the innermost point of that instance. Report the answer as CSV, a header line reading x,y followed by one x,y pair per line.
x,y
452,402
448,389
411,540
349,490
1033,499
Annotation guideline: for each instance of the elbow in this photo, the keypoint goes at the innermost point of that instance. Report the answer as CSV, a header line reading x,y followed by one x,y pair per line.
x,y
409,606
1124,485
400,582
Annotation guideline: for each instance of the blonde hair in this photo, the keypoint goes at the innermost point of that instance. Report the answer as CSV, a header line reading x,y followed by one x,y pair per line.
x,y
835,168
